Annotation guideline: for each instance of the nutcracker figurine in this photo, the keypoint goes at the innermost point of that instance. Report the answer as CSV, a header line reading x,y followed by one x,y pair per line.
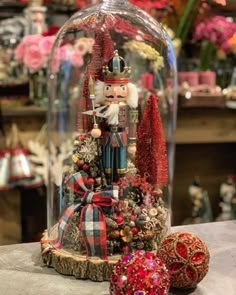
x,y
119,100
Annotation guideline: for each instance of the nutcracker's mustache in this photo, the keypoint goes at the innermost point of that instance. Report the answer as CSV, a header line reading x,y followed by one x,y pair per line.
x,y
112,96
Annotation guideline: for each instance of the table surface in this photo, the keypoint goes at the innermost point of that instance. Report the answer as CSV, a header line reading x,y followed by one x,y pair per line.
x,y
23,273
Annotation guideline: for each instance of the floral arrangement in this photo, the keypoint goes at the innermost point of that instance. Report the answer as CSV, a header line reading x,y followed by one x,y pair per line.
x,y
220,31
33,54
73,53
34,51
186,12
146,52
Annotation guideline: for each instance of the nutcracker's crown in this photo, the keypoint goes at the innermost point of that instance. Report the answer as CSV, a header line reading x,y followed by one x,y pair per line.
x,y
116,70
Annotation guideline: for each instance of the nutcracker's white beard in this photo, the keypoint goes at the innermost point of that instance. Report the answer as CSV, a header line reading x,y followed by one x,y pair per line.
x,y
112,114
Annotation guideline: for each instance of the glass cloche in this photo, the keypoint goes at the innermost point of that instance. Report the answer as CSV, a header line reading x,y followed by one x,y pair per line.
x,y
112,106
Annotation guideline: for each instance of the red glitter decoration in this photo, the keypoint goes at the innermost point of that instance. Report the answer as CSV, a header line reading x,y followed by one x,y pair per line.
x,y
140,273
151,156
103,50
186,257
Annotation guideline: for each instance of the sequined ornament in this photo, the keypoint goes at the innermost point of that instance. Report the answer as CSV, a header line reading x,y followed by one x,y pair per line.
x,y
186,257
140,273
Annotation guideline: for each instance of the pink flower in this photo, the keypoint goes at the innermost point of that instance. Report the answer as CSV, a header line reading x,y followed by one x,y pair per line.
x,y
33,58
225,47
76,59
46,44
31,40
20,51
65,52
218,30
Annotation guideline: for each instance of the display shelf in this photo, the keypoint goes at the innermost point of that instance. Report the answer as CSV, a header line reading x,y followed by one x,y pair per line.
x,y
211,163
202,100
59,8
24,111
10,8
205,125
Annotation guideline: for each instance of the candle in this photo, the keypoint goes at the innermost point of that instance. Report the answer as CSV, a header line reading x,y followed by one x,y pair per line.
x,y
147,81
207,78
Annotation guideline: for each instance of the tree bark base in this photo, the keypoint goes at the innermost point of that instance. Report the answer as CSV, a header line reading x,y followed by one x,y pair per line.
x,y
70,263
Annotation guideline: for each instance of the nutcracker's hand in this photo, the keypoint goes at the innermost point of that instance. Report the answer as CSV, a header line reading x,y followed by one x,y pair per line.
x,y
96,112
132,150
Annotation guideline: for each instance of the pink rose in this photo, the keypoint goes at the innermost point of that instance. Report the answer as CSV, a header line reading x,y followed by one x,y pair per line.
x,y
46,44
33,58
65,52
76,59
20,51
31,40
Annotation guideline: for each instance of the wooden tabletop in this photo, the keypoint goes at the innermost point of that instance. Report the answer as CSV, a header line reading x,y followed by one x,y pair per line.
x,y
23,273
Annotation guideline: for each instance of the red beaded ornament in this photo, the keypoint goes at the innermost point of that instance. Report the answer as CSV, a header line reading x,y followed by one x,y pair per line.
x,y
140,273
186,257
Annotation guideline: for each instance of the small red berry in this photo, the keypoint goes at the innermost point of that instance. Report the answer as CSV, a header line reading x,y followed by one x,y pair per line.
x,y
90,181
119,219
134,230
85,167
133,217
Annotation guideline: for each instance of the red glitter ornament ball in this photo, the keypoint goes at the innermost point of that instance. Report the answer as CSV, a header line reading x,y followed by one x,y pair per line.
x,y
140,273
186,257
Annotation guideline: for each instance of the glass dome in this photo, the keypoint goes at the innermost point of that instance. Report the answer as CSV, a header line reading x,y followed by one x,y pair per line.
x,y
112,80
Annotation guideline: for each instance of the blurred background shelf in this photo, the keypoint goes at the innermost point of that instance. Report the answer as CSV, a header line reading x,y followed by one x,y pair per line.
x,y
202,100
205,147
205,125
24,111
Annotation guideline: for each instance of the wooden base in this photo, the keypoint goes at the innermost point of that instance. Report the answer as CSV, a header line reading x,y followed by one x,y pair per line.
x,y
70,263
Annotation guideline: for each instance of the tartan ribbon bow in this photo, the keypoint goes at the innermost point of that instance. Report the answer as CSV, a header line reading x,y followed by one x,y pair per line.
x,y
92,220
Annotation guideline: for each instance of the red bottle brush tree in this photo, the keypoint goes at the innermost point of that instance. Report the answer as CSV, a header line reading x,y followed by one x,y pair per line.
x,y
151,158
